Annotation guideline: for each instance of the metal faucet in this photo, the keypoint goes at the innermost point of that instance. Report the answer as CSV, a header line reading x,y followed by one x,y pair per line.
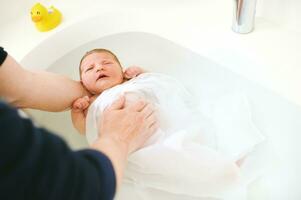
x,y
244,14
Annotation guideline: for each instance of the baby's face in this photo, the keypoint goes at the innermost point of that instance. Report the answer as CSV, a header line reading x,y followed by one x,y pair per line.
x,y
100,71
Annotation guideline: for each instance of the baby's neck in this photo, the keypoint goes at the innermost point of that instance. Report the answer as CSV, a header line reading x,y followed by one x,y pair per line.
x,y
93,97
124,80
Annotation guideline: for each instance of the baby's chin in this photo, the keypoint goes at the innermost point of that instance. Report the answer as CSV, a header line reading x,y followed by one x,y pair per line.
x,y
94,90
99,88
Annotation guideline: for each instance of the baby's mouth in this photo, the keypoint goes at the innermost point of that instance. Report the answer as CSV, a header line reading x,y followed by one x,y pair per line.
x,y
101,76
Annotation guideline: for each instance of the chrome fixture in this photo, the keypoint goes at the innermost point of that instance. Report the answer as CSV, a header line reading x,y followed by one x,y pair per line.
x,y
244,14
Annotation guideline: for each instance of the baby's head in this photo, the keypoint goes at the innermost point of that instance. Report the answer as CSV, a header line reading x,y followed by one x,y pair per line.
x,y
99,70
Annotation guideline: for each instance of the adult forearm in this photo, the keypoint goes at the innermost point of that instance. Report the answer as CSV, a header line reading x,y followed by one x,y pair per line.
x,y
38,90
53,92
117,152
43,166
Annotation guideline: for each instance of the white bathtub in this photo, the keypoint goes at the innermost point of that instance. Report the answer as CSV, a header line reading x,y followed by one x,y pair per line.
x,y
277,118
154,34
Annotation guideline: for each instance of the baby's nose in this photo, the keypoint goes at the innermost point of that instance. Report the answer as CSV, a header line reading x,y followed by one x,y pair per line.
x,y
98,67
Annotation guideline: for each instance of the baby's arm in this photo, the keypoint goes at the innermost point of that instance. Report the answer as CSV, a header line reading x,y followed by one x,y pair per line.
x,y
78,113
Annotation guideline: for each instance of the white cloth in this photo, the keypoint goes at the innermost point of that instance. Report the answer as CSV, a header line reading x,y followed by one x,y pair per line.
x,y
236,134
187,155
175,105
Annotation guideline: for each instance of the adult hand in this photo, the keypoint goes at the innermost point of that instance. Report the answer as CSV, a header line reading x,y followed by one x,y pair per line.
x,y
131,125
124,129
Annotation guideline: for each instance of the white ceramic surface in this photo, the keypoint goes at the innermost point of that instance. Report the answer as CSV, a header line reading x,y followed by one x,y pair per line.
x,y
192,41
275,117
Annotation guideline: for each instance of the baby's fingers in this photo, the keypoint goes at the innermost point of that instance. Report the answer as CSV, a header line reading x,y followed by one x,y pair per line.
x,y
77,105
127,74
86,98
85,105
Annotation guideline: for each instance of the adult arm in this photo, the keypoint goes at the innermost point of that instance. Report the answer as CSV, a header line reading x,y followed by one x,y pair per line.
x,y
123,130
38,90
36,164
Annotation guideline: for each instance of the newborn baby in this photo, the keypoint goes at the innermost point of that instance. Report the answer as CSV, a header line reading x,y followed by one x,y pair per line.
x,y
179,158
99,70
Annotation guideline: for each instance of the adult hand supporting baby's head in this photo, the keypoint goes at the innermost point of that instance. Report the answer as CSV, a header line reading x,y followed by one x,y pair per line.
x,y
124,129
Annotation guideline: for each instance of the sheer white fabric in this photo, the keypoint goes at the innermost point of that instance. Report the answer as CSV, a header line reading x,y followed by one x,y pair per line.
x,y
189,155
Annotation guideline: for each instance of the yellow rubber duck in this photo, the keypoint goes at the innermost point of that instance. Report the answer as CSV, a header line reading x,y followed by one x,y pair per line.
x,y
44,19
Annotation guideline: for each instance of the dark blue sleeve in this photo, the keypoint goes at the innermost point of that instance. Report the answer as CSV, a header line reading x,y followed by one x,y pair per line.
x,y
3,55
35,164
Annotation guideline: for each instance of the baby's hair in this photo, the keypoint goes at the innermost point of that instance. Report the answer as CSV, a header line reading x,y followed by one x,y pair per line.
x,y
96,51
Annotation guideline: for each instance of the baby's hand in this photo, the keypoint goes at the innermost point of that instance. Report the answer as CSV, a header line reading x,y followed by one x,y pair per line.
x,y
132,72
81,104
